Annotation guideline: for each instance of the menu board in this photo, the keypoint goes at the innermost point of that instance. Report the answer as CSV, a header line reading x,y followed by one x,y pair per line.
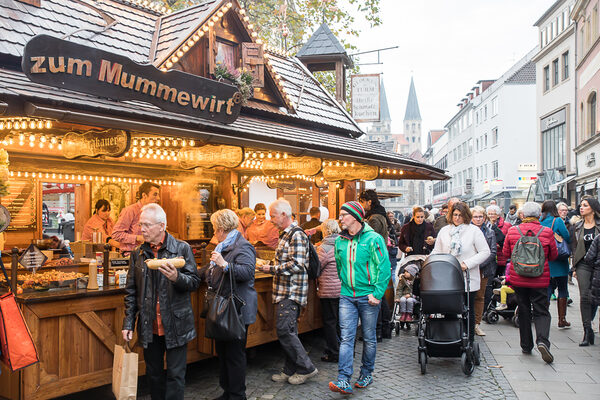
x,y
21,203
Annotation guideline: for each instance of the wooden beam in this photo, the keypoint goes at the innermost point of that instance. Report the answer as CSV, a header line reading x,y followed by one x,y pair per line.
x,y
99,328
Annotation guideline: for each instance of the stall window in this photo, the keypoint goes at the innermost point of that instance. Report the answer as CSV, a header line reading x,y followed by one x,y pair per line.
x,y
58,210
301,200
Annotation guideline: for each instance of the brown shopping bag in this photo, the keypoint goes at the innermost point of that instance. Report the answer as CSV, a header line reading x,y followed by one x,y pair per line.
x,y
125,373
16,344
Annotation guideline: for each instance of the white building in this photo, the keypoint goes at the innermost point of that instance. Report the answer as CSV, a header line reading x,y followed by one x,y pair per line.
x,y
492,141
436,192
556,101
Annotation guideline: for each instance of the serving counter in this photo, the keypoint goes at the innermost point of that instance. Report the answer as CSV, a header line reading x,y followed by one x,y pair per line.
x,y
75,331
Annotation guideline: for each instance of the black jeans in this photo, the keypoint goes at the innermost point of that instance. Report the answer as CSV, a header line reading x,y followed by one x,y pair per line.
x,y
232,367
586,306
330,311
286,321
384,319
169,384
538,298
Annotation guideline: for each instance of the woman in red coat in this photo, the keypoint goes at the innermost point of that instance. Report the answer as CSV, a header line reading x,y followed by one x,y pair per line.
x,y
532,291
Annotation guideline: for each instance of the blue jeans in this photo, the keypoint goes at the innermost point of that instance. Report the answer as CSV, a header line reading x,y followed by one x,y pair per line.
x,y
351,308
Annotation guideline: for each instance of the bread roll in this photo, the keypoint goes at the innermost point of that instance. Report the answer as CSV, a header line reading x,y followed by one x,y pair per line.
x,y
155,262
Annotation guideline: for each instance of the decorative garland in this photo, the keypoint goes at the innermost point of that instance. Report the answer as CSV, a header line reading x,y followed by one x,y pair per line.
x,y
241,78
3,172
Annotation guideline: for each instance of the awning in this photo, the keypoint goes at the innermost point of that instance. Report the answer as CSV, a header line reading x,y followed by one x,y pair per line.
x,y
554,186
387,195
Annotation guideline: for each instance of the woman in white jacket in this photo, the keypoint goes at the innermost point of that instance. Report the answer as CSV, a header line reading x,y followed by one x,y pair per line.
x,y
467,243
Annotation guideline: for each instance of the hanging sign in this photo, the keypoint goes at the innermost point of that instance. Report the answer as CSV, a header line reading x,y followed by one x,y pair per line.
x,y
210,156
358,172
67,65
32,258
284,184
291,165
110,142
365,97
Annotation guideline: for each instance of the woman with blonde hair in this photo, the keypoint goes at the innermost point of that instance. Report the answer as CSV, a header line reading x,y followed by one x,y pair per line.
x,y
329,290
233,255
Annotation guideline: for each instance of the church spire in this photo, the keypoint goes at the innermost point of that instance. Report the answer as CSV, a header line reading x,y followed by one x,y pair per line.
x,y
412,105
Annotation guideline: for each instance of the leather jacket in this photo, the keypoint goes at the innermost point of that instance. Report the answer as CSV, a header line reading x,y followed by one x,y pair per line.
x,y
175,300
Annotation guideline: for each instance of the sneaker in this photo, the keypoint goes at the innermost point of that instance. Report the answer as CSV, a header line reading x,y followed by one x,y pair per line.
x,y
340,386
501,307
299,379
569,301
478,331
496,291
553,297
280,377
545,352
364,381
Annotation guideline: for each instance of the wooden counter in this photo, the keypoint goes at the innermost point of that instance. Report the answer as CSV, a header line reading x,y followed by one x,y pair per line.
x,y
75,332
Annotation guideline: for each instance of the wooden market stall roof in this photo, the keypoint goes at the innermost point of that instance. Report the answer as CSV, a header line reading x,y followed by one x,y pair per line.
x,y
316,125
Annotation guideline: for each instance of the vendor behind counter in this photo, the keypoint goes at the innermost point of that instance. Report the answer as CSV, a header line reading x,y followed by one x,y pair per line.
x,y
100,222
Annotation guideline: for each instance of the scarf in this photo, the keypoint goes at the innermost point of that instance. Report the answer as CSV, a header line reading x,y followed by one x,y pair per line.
x,y
455,244
231,237
418,236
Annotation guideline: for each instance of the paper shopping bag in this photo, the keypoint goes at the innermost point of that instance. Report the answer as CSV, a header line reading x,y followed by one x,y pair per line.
x,y
125,373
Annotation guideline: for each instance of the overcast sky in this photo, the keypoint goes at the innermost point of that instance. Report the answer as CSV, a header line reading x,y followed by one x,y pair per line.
x,y
447,46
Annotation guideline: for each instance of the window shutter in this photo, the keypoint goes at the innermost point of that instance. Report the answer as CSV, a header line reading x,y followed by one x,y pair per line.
x,y
253,61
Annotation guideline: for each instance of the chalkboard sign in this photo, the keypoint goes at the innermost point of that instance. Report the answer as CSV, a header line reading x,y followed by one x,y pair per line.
x,y
32,258
21,204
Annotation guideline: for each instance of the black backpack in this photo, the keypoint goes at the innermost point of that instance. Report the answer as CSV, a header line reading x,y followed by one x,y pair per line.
x,y
314,265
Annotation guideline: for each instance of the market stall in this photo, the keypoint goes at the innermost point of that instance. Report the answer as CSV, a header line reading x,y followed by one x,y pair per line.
x,y
86,117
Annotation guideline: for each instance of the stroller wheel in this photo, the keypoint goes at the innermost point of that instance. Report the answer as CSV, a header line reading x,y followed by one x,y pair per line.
x,y
515,320
397,328
466,364
492,317
476,354
423,362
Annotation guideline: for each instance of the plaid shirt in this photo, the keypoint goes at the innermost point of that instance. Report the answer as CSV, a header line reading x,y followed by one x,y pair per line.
x,y
290,280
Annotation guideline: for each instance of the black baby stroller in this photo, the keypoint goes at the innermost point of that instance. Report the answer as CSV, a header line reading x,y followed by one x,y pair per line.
x,y
492,315
416,260
444,325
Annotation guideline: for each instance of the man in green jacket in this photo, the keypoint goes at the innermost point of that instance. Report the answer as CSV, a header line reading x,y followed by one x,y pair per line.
x,y
364,270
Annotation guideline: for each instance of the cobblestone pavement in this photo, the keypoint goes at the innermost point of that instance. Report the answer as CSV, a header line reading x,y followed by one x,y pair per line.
x,y
397,376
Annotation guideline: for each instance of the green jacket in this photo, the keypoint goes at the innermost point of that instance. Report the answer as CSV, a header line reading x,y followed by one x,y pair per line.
x,y
363,263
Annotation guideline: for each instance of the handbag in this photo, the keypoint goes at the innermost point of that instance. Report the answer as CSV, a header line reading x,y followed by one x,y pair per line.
x,y
125,373
16,344
224,315
564,250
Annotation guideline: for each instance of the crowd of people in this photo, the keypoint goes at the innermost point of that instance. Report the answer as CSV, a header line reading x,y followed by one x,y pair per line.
x,y
358,255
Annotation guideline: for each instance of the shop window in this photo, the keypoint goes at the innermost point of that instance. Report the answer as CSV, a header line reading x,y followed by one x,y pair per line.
x,y
553,148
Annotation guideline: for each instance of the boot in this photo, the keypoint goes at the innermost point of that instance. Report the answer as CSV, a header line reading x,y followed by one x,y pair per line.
x,y
562,313
588,337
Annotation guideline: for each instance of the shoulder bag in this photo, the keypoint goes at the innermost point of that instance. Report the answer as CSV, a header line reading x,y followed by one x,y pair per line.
x,y
564,251
224,319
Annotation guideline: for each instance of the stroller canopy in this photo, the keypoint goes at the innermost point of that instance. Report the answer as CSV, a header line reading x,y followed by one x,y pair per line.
x,y
442,285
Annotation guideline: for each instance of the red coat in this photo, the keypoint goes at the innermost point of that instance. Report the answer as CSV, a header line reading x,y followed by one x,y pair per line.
x,y
503,226
549,245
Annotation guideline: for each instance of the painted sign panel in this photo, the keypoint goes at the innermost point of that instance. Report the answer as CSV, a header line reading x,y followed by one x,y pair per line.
x,y
291,165
358,172
365,98
110,142
66,65
210,156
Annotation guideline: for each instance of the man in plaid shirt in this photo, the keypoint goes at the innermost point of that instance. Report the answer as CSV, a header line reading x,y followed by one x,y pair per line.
x,y
290,292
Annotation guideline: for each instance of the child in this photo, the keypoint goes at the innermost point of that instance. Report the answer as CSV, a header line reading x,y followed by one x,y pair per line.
x,y
404,292
504,291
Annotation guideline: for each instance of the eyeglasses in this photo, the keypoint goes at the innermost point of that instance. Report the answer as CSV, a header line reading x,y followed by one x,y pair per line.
x,y
147,225
342,215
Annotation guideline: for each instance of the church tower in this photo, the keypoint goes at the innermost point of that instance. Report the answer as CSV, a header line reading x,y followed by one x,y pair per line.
x,y
412,120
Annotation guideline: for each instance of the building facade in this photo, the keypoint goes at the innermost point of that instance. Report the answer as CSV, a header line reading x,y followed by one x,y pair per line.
x,y
436,193
555,98
587,75
492,145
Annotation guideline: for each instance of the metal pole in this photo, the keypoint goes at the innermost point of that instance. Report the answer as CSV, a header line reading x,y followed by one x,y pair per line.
x,y
13,270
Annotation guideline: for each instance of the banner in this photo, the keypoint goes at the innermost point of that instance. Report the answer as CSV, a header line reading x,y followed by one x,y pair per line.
x,y
365,98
